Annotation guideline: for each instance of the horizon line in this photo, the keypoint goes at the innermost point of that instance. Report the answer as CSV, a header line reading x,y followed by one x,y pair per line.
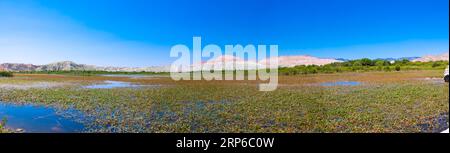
x,y
336,58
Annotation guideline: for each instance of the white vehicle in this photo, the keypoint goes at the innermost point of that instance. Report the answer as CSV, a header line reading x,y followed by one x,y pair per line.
x,y
446,77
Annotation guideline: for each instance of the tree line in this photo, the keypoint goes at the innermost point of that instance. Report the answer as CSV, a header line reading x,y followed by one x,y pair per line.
x,y
363,65
6,74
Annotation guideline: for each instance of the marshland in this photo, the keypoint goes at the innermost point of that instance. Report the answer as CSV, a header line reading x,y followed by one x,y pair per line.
x,y
410,100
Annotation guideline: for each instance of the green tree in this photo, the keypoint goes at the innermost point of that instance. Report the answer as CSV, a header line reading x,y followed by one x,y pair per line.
x,y
366,62
405,61
397,67
357,63
379,63
436,64
6,74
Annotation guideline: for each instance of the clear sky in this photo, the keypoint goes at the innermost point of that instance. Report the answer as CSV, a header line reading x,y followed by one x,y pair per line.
x,y
141,32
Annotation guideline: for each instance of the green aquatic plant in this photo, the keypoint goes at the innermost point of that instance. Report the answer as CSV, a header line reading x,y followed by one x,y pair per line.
x,y
384,102
2,125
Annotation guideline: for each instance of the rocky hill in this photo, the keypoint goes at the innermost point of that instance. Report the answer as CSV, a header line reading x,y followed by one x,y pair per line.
x,y
241,64
429,58
291,61
72,66
399,59
134,69
65,66
17,67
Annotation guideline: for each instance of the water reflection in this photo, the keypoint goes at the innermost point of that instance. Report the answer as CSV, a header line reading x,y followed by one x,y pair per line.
x,y
341,83
37,119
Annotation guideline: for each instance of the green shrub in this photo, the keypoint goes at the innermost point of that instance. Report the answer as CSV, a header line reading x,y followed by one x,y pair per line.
x,y
367,62
357,64
2,125
6,74
397,67
380,63
436,64
364,65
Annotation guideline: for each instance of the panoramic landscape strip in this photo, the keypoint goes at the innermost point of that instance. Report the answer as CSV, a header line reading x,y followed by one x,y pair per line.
x,y
346,96
224,66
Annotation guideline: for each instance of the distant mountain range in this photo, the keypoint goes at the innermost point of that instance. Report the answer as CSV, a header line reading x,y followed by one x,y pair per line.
x,y
427,58
284,61
241,64
386,59
69,65
399,59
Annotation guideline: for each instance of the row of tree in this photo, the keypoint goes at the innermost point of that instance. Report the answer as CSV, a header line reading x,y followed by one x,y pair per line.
x,y
362,65
6,74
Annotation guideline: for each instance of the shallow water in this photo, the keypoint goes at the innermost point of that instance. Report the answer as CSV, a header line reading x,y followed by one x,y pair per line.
x,y
341,83
434,80
436,124
135,76
37,119
39,85
113,84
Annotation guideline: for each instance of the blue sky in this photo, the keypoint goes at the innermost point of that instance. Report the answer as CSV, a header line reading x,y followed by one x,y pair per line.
x,y
141,32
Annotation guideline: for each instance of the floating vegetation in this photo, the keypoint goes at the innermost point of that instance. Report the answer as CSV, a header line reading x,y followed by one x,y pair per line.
x,y
387,102
435,124
30,85
2,126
